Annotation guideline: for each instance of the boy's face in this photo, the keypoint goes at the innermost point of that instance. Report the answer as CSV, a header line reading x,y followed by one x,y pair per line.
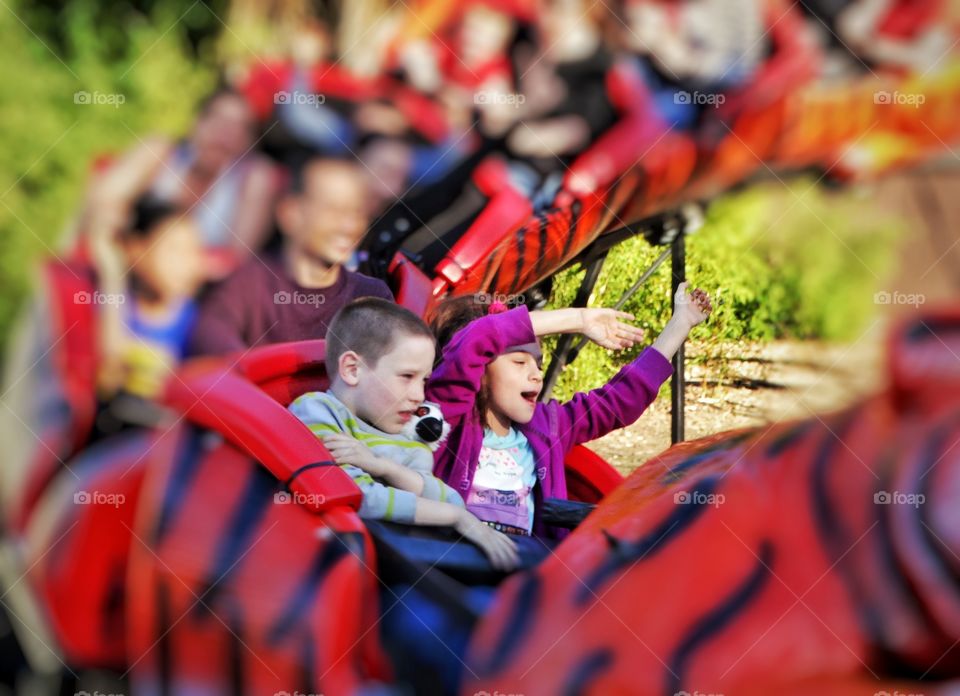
x,y
387,394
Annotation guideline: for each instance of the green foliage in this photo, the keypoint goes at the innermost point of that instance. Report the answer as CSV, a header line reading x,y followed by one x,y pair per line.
x,y
803,263
780,265
149,84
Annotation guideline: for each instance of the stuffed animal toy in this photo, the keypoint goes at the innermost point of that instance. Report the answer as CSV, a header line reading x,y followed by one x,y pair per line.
x,y
427,426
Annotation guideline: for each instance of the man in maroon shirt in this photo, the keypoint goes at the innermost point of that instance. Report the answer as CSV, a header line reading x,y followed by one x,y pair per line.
x,y
293,295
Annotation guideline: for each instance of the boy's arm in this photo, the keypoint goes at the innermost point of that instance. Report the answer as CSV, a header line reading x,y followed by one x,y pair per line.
x,y
496,546
436,489
456,381
391,504
432,513
387,503
395,501
382,502
433,487
398,476
346,449
420,483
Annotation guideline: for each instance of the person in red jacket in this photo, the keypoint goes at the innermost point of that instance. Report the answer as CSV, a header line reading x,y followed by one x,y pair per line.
x,y
907,35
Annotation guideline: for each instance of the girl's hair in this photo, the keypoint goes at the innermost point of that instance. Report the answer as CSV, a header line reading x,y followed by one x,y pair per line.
x,y
452,314
149,213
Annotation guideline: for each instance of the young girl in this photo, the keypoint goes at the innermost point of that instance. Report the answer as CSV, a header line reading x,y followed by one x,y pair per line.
x,y
505,453
147,274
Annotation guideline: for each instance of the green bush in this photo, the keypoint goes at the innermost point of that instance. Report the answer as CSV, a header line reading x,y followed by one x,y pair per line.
x,y
797,264
50,140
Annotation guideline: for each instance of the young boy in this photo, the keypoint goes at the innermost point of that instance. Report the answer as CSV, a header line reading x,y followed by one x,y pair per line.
x,y
379,356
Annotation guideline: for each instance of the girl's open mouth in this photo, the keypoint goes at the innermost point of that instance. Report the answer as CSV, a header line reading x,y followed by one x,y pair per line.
x,y
530,396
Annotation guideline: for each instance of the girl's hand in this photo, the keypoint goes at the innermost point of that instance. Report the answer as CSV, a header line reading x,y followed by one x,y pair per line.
x,y
608,328
497,546
688,311
691,308
346,449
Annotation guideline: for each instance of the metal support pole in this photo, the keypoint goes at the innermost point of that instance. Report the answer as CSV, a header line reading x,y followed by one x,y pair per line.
x,y
677,383
562,355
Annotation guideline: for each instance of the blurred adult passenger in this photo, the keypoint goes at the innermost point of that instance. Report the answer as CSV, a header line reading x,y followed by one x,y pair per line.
x,y
909,35
228,188
292,295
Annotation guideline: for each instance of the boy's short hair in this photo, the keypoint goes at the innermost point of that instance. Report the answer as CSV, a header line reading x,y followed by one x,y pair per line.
x,y
369,326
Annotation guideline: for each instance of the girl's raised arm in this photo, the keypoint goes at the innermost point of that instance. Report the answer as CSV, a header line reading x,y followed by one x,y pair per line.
x,y
624,398
605,327
617,404
688,311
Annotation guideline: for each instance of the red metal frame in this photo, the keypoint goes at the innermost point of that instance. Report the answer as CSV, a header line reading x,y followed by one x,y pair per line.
x,y
223,401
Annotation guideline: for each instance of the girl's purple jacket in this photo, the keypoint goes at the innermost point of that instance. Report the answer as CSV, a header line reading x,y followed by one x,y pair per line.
x,y
555,427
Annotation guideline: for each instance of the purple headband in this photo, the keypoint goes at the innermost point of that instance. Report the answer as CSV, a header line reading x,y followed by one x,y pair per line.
x,y
498,307
531,348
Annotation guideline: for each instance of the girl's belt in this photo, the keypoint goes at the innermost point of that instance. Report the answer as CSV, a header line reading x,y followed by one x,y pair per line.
x,y
506,528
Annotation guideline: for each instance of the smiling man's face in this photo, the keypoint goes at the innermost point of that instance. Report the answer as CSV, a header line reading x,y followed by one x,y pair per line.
x,y
329,217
